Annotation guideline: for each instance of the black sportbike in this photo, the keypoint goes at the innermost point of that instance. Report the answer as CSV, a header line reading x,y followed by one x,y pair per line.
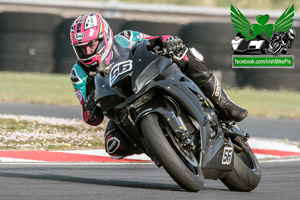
x,y
167,117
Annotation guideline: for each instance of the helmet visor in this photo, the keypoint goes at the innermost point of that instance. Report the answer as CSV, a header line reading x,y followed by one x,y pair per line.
x,y
101,49
87,51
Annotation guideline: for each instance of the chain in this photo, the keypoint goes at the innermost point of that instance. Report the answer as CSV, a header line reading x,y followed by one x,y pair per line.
x,y
234,145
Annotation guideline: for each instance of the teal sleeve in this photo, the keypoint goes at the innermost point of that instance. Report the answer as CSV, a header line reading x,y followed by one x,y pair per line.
x,y
129,38
79,78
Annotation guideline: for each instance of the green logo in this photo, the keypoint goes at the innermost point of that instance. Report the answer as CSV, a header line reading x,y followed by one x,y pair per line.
x,y
253,42
262,28
262,37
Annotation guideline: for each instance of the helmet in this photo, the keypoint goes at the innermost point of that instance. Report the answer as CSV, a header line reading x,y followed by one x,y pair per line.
x,y
292,33
87,29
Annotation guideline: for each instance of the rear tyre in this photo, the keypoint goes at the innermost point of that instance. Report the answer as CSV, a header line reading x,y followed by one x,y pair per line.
x,y
173,163
246,172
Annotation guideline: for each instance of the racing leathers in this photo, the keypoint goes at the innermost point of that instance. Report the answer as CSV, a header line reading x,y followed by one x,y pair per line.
x,y
191,62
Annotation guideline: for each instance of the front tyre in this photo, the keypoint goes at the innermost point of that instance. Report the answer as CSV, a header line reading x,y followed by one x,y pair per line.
x,y
158,145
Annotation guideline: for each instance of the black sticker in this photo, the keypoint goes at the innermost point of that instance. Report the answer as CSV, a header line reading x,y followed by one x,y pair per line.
x,y
74,77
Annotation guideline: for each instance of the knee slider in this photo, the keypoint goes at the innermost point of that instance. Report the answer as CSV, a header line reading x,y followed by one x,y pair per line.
x,y
112,145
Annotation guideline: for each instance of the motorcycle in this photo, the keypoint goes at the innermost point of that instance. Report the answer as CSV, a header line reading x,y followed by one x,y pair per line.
x,y
167,117
281,41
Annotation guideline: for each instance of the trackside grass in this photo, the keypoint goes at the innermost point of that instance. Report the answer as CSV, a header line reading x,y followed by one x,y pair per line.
x,y
267,103
56,89
254,4
41,133
39,88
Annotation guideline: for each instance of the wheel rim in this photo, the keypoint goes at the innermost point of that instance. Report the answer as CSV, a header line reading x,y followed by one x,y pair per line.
x,y
187,157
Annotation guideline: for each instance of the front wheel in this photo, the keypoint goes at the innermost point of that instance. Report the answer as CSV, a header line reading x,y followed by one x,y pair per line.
x,y
246,172
188,176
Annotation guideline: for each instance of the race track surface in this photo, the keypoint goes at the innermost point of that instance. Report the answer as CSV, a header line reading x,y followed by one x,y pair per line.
x,y
279,181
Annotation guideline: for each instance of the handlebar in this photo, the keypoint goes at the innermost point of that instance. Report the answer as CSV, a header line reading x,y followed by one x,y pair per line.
x,y
163,52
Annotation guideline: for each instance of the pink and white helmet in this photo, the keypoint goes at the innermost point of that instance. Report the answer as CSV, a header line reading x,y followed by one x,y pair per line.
x,y
85,30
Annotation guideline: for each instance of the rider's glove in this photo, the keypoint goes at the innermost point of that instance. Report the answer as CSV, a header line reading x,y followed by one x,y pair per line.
x,y
173,45
91,106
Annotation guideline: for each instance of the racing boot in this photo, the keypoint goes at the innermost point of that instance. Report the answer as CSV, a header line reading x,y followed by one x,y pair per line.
x,y
192,63
227,108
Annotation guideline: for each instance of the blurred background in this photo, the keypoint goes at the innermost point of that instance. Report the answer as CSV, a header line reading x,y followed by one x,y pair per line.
x,y
34,34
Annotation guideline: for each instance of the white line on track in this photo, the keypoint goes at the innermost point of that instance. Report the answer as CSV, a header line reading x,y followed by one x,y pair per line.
x,y
76,163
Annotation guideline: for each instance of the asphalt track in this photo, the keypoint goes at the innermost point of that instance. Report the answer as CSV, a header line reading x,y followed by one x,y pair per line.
x,y
280,180
258,127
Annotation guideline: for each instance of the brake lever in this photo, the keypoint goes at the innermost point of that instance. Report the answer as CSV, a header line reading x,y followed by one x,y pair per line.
x,y
179,55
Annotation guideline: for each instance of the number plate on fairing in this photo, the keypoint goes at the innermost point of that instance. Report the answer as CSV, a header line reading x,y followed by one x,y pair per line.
x,y
119,69
227,155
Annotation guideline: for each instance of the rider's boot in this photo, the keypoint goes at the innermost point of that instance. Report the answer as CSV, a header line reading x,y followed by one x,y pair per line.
x,y
227,108
192,63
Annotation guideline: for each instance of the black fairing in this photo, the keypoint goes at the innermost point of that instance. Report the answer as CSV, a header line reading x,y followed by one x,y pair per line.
x,y
126,100
149,65
108,97
140,68
150,72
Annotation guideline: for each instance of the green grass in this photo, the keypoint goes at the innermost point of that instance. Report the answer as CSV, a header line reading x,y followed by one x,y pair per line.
x,y
268,104
254,4
57,89
41,88
18,134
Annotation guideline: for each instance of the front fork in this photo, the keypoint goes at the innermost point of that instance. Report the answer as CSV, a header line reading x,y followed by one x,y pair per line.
x,y
176,123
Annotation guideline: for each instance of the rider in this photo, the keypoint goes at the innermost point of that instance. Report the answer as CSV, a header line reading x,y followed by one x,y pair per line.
x,y
95,45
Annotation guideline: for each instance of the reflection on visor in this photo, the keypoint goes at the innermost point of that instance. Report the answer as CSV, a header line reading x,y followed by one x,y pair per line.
x,y
101,47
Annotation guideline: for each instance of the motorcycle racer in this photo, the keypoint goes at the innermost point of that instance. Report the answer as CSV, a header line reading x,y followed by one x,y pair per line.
x,y
96,47
281,41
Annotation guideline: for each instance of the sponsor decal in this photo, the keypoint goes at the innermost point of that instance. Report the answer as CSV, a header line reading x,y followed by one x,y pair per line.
x,y
79,36
262,39
132,43
112,145
90,22
126,34
91,32
74,77
79,96
142,35
227,155
217,91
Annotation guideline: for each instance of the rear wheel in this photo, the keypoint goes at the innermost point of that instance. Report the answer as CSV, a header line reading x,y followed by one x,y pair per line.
x,y
246,172
183,168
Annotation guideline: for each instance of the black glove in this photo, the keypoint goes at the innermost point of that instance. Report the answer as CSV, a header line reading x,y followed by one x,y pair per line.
x,y
91,106
173,45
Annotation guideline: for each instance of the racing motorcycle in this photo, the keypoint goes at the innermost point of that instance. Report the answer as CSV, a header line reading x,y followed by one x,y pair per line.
x,y
281,41
167,117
